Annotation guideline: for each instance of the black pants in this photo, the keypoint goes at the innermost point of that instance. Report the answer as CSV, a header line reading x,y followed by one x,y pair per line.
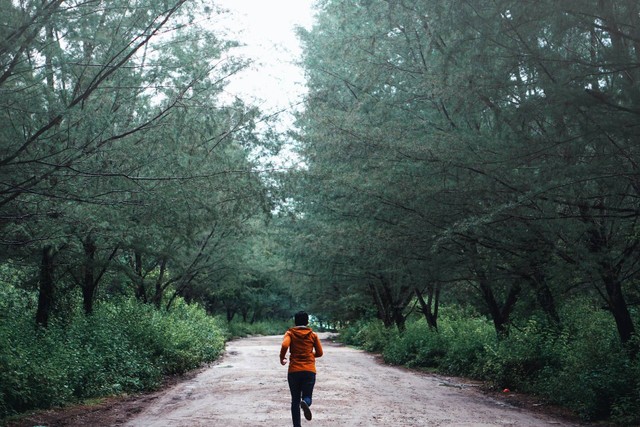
x,y
301,387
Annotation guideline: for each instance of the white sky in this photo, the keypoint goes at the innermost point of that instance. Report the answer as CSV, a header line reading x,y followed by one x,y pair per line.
x,y
267,28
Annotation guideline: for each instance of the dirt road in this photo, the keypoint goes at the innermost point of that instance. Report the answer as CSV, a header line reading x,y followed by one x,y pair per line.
x,y
248,387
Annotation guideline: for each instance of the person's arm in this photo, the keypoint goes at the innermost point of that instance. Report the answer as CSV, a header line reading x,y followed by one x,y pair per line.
x,y
317,345
286,342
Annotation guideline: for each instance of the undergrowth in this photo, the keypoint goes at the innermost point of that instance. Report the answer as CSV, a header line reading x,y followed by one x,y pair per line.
x,y
124,346
580,365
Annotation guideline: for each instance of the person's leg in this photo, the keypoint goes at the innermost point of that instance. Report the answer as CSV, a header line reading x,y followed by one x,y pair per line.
x,y
295,386
307,383
308,380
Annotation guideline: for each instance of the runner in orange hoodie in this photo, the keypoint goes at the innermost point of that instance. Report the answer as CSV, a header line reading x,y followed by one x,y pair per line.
x,y
304,346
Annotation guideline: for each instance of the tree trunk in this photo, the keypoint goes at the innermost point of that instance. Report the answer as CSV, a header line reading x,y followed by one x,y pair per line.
x,y
544,296
390,306
157,298
244,312
46,287
599,244
619,309
382,306
429,308
141,293
500,316
89,281
399,318
255,315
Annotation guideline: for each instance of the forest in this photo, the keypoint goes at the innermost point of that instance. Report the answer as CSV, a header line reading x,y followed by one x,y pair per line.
x,y
466,197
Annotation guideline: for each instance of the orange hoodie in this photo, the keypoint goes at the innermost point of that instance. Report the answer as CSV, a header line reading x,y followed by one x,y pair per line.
x,y
304,346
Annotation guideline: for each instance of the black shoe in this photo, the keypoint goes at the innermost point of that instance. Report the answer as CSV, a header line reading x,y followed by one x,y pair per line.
x,y
305,409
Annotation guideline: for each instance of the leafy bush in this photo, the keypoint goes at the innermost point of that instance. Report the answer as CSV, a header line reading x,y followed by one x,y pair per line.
x,y
123,346
418,346
370,335
625,409
465,339
517,361
580,365
350,334
590,370
188,337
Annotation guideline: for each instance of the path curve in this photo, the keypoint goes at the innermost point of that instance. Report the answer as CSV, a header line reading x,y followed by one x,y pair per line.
x,y
249,388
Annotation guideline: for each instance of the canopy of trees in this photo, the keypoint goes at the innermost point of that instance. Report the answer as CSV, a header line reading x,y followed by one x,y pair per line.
x,y
121,169
453,153
483,152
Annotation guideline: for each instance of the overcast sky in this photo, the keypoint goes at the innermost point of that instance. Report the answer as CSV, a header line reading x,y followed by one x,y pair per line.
x,y
267,27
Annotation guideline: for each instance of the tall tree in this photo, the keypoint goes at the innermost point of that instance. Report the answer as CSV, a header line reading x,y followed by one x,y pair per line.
x,y
499,135
114,142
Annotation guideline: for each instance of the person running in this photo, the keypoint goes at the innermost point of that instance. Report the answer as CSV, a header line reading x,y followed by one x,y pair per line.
x,y
304,347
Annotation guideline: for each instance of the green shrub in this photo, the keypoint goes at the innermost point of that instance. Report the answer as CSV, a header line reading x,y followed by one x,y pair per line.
x,y
591,373
188,338
350,334
417,346
465,340
374,336
124,346
625,409
580,364
402,349
370,335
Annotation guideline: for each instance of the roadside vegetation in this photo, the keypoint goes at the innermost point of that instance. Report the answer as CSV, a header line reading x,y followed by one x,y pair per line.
x,y
476,164
580,366
132,205
123,347
468,175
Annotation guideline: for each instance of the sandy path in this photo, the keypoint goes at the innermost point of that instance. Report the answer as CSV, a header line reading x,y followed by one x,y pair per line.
x,y
249,388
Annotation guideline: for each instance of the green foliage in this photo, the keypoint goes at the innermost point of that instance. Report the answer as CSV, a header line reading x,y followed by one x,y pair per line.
x,y
466,338
186,337
502,172
588,370
123,347
370,335
508,157
416,347
520,361
581,366
160,180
